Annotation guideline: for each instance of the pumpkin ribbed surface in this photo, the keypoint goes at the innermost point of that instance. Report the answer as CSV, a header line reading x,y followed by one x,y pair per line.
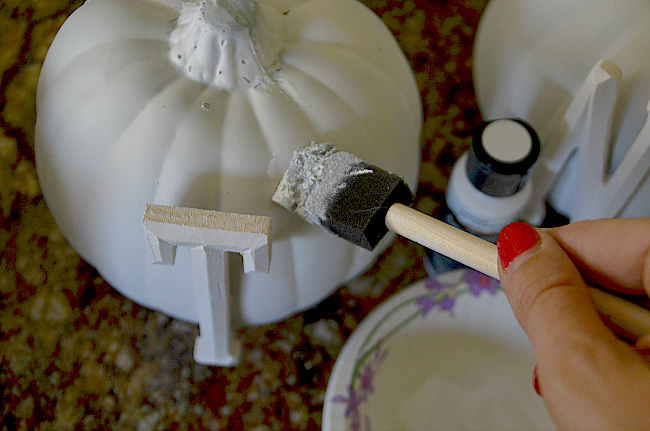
x,y
121,124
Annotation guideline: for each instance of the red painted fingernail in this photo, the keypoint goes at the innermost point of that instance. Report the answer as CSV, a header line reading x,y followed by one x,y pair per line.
x,y
536,382
515,239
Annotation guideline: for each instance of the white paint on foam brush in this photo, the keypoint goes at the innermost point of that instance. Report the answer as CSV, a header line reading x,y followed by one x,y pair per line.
x,y
362,172
315,175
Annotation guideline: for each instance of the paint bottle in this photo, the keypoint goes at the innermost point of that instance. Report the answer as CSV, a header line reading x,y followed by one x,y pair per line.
x,y
488,187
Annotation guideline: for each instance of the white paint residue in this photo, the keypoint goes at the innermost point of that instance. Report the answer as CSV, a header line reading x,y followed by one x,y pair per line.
x,y
315,175
362,172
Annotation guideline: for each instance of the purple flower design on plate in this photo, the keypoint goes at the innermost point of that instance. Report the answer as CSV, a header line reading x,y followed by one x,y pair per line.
x,y
435,285
365,378
356,397
438,295
479,282
352,402
447,304
428,303
441,296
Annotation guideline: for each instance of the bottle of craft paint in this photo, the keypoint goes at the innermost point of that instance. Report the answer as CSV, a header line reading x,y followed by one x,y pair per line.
x,y
488,187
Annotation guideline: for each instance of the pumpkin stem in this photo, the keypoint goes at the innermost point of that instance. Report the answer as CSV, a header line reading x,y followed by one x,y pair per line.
x,y
241,11
228,44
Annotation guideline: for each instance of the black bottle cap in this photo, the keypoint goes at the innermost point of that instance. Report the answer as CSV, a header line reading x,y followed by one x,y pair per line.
x,y
502,153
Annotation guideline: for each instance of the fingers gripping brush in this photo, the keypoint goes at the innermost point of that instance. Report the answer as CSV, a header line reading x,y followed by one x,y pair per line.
x,y
361,203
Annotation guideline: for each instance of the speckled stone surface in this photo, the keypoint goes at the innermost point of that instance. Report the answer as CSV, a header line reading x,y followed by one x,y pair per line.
x,y
75,354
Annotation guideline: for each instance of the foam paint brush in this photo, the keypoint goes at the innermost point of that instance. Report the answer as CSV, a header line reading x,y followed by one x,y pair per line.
x,y
361,203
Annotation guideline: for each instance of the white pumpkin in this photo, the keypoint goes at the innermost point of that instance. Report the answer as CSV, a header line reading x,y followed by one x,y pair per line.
x,y
201,104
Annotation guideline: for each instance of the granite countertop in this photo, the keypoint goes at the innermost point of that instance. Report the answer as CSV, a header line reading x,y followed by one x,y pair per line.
x,y
75,353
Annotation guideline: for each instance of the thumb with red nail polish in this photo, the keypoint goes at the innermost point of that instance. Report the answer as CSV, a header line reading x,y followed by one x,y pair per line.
x,y
515,242
582,369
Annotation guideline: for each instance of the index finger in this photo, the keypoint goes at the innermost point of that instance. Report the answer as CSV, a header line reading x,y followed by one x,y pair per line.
x,y
611,253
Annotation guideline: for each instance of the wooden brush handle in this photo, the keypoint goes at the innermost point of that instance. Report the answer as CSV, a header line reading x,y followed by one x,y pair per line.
x,y
481,255
440,237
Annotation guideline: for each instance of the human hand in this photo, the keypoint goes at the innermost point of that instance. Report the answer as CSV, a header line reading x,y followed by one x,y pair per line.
x,y
589,378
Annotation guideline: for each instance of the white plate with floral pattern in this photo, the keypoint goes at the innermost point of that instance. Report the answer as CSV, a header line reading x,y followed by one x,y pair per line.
x,y
445,353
